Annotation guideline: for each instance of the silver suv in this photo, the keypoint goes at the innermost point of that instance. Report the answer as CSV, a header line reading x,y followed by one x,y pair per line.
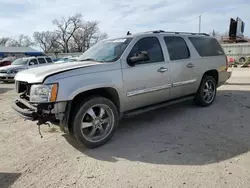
x,y
121,77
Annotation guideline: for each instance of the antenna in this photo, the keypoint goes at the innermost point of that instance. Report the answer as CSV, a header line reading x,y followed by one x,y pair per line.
x,y
128,33
200,24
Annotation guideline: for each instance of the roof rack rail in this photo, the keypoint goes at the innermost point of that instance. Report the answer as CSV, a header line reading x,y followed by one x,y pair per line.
x,y
174,32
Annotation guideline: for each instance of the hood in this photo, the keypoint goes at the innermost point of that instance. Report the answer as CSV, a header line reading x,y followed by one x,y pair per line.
x,y
37,75
11,67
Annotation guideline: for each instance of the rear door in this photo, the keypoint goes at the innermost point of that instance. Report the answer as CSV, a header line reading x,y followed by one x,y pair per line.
x,y
183,76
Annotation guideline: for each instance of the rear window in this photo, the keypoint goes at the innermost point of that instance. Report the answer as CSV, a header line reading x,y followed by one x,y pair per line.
x,y
49,60
207,46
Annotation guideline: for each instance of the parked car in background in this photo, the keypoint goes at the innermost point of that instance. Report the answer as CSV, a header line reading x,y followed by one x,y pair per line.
x,y
6,61
7,73
63,59
56,59
122,77
73,59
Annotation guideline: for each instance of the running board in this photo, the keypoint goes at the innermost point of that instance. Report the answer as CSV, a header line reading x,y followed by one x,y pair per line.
x,y
157,106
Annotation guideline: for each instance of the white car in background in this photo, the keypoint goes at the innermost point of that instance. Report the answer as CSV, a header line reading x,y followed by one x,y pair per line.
x,y
7,73
63,59
73,59
67,60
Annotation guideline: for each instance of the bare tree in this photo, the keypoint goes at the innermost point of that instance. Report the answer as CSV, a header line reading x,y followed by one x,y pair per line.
x,y
4,41
100,37
71,35
21,41
93,34
87,35
47,40
66,28
78,41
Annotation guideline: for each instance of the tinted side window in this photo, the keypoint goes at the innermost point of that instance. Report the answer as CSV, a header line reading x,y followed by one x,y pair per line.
x,y
48,60
206,46
152,46
33,62
41,60
177,48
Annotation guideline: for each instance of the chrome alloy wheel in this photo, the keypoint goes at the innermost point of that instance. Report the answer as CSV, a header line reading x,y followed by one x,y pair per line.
x,y
209,91
97,123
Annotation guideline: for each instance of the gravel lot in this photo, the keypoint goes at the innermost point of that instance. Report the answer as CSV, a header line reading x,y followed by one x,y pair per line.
x,y
178,146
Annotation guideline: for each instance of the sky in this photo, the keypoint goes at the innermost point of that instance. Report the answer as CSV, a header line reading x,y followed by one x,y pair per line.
x,y
116,17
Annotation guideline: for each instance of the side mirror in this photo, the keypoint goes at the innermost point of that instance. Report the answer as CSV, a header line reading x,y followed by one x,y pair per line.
x,y
138,57
31,63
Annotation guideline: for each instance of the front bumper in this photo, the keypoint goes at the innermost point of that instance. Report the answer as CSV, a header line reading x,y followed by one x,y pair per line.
x,y
7,77
43,113
25,110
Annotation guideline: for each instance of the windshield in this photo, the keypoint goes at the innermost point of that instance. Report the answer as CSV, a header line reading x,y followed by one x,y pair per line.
x,y
106,51
20,62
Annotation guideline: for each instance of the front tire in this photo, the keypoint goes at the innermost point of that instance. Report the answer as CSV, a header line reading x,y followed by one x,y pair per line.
x,y
95,122
206,93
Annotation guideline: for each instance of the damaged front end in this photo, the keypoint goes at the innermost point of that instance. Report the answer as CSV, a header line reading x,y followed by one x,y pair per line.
x,y
44,112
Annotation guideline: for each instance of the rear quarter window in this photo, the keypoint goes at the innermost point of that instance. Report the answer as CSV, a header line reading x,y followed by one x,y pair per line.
x,y
207,46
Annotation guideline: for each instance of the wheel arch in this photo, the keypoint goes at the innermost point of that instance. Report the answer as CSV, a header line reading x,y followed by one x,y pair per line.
x,y
198,98
107,92
214,73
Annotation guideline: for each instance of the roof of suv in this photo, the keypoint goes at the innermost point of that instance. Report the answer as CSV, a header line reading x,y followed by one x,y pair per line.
x,y
28,58
166,32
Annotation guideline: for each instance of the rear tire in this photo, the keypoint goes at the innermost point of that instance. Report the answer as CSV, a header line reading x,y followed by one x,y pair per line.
x,y
95,121
206,93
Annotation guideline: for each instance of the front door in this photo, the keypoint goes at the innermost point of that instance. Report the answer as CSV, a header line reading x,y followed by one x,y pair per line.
x,y
147,82
183,77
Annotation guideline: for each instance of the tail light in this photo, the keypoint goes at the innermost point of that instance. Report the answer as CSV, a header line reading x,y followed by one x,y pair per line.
x,y
226,63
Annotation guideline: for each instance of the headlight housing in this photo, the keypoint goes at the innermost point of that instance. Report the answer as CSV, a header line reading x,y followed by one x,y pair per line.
x,y
12,71
43,93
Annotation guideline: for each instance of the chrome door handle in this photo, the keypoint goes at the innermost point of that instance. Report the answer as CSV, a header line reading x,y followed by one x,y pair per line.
x,y
190,65
162,69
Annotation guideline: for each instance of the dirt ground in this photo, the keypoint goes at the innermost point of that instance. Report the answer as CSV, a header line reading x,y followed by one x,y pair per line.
x,y
178,146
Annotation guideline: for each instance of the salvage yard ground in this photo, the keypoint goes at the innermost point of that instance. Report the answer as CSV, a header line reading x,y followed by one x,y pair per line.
x,y
177,146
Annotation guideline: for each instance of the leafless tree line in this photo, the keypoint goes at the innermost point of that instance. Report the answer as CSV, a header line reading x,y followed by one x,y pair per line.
x,y
20,41
72,34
